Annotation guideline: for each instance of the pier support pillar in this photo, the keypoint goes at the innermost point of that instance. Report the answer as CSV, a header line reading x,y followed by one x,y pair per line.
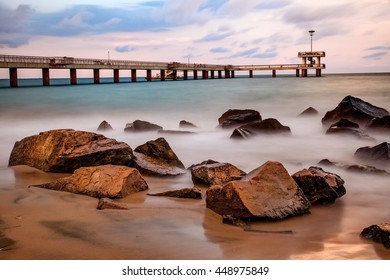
x,y
116,75
45,77
13,77
297,73
233,74
185,74
96,76
212,74
219,74
174,75
195,74
227,74
204,74
304,72
250,73
162,75
318,72
133,75
73,76
273,73
149,75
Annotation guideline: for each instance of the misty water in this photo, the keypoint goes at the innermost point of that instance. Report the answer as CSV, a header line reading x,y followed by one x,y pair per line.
x,y
53,225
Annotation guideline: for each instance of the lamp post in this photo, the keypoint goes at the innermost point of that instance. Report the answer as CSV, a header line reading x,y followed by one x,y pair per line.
x,y
311,39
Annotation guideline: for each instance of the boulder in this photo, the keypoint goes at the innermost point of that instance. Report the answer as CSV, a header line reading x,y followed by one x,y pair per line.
x,y
266,192
355,110
236,117
379,153
141,126
104,126
320,186
267,126
309,112
194,193
378,233
106,203
186,124
65,150
379,124
215,174
156,157
347,127
100,181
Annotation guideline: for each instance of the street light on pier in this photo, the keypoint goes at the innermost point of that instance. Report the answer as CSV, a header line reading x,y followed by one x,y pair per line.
x,y
311,39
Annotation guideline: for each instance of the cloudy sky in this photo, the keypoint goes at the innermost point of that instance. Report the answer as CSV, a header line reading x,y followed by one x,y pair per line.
x,y
354,34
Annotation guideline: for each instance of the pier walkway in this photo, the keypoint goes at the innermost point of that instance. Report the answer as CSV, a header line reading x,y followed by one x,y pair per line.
x,y
310,60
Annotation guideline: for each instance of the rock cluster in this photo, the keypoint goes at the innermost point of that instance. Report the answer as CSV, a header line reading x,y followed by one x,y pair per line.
x,y
378,233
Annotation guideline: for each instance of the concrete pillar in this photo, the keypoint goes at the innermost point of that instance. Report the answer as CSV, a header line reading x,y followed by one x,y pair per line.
x,y
304,72
13,77
162,75
227,74
212,74
45,77
149,75
273,73
185,74
116,75
318,72
133,75
195,74
250,73
219,74
73,76
174,75
96,76
233,74
297,73
204,74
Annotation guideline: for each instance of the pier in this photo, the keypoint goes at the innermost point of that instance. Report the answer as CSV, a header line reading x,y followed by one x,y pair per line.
x,y
166,70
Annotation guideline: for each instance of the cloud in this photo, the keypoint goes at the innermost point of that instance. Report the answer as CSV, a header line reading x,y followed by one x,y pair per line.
x,y
375,56
213,5
387,48
124,49
246,53
272,4
219,50
215,36
265,55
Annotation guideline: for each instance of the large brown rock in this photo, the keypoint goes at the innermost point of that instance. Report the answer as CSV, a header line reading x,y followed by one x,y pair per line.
x,y
215,174
378,233
236,117
266,192
65,150
355,110
320,186
267,126
156,157
100,181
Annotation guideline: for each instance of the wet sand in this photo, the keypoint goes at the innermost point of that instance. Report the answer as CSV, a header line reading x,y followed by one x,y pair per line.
x,y
47,225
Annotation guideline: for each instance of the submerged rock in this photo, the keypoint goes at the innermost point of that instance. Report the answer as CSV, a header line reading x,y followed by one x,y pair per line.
x,y
361,168
379,153
355,110
267,126
236,117
266,192
380,124
320,186
378,233
106,203
215,173
186,124
104,126
309,112
157,158
194,193
100,181
65,150
347,127
141,126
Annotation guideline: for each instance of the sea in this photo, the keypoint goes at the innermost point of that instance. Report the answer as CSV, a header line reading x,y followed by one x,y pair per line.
x,y
67,226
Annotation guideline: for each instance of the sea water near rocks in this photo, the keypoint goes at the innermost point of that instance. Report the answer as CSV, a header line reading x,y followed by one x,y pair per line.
x,y
54,225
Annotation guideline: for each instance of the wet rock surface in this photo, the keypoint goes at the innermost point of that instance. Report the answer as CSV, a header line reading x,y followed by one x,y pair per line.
x,y
236,117
104,126
215,173
378,233
376,154
309,112
267,126
141,126
106,203
379,124
65,150
186,124
193,193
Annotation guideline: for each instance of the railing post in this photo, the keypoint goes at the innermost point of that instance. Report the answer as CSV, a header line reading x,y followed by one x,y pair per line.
x,y
13,77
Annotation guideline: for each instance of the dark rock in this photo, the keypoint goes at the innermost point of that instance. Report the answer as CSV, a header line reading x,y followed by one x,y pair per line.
x,y
100,181
230,220
266,192
193,193
320,186
106,203
355,110
347,127
267,126
185,124
157,158
141,126
236,117
215,174
65,150
175,132
378,233
360,168
104,126
379,124
208,161
309,112
379,153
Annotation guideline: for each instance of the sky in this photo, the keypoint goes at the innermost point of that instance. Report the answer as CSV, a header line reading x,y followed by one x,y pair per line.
x,y
354,34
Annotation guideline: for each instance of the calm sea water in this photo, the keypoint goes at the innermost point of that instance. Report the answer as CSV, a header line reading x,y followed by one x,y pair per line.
x,y
28,110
